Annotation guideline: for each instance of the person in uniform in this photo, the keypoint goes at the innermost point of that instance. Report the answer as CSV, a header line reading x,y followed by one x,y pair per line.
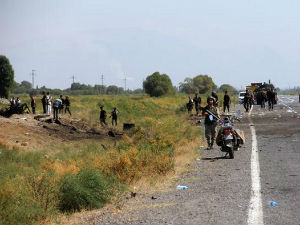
x,y
271,98
211,114
197,102
114,117
103,116
216,98
226,102
247,100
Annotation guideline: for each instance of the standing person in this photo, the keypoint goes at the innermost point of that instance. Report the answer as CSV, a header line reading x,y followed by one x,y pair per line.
x,y
247,99
56,106
210,112
61,107
271,98
263,99
49,103
114,117
216,98
189,105
226,102
67,105
32,103
44,102
197,101
102,116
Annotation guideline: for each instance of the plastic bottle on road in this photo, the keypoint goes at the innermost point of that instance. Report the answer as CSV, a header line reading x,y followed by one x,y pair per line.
x,y
179,187
272,203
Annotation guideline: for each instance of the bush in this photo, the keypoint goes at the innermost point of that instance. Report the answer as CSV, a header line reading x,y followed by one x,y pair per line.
x,y
86,190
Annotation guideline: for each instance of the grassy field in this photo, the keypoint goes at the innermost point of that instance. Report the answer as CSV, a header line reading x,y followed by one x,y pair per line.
x,y
36,187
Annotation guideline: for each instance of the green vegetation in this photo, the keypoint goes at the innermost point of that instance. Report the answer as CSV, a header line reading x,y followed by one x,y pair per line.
x,y
35,187
201,84
6,76
158,85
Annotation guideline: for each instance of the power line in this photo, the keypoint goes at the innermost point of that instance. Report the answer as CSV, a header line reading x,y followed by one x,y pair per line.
x,y
125,78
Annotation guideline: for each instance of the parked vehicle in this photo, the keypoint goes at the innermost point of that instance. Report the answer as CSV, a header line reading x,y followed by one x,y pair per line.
x,y
241,97
229,138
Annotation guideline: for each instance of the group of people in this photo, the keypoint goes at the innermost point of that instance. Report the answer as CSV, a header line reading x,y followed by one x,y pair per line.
x,y
59,105
196,101
113,116
210,113
262,97
14,102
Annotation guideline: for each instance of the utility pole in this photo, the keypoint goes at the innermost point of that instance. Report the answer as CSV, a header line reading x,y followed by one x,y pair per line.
x,y
73,77
125,83
32,74
102,87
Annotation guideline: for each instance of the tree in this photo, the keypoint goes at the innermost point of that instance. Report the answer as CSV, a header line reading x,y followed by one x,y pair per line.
x,y
204,83
6,76
26,84
158,84
227,87
187,86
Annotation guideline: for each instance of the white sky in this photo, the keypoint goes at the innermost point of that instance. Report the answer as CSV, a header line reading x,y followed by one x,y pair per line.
x,y
233,41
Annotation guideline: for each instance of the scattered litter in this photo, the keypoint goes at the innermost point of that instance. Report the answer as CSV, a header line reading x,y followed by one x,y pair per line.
x,y
272,203
179,187
289,110
198,159
26,133
24,118
153,197
275,118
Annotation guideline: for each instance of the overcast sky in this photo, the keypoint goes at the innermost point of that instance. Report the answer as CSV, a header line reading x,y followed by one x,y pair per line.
x,y
233,41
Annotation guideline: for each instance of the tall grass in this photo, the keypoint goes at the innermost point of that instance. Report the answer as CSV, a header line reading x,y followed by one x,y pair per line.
x,y
35,187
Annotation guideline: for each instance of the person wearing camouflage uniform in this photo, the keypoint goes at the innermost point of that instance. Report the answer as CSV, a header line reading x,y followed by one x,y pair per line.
x,y
210,121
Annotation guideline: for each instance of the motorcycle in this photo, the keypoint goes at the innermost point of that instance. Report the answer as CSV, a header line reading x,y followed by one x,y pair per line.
x,y
229,138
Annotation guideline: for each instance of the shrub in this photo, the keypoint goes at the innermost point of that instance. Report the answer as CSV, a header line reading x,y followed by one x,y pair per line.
x,y
88,189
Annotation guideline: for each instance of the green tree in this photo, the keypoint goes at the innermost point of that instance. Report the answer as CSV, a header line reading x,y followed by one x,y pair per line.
x,y
227,87
187,86
6,76
204,83
158,84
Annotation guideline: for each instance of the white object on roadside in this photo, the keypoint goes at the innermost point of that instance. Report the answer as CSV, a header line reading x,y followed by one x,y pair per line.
x,y
179,187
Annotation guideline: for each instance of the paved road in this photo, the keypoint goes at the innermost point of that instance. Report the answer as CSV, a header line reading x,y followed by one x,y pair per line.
x,y
220,189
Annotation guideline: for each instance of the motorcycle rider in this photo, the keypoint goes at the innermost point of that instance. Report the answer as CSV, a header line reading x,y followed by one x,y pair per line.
x,y
210,112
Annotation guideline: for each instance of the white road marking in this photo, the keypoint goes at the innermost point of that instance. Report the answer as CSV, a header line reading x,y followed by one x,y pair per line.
x,y
255,213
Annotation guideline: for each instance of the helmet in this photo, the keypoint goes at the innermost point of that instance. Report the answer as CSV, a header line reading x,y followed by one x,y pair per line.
x,y
210,98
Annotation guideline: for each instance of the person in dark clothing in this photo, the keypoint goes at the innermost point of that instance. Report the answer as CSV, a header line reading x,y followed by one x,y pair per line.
x,y
216,98
247,101
114,117
197,102
226,102
210,112
61,107
67,104
103,116
44,102
32,103
190,105
271,98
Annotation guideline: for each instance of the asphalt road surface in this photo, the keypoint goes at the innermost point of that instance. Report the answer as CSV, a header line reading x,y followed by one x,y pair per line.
x,y
231,191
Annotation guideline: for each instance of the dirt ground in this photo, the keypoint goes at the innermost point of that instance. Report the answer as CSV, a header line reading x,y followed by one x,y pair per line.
x,y
36,132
